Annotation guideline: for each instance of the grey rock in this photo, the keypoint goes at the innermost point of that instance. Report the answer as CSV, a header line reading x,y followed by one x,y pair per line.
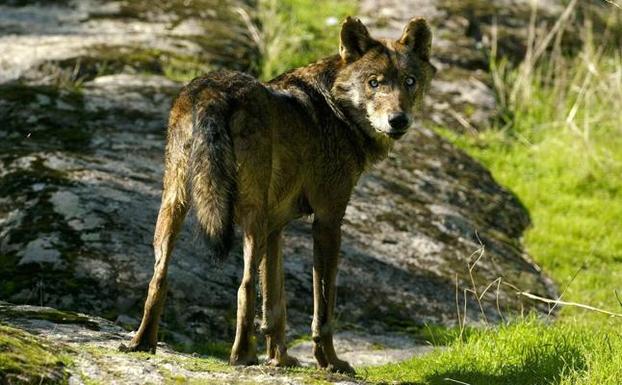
x,y
40,251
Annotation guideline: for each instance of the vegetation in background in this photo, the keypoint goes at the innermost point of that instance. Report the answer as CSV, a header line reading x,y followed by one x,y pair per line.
x,y
560,150
558,146
294,33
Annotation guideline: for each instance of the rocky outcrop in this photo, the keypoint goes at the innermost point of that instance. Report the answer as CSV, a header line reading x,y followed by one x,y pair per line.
x,y
83,102
82,349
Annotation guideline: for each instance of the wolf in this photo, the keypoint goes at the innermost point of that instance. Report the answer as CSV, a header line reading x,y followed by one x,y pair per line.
x,y
259,155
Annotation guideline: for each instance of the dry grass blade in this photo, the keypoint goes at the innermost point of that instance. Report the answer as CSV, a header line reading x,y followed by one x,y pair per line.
x,y
462,121
458,314
535,49
455,381
480,254
564,303
557,27
253,29
572,279
613,3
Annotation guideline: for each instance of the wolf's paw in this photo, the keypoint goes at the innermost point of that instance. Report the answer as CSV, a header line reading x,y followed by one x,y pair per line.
x,y
340,366
137,346
285,361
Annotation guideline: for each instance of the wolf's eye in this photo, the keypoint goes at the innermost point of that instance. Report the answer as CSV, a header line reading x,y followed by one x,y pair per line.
x,y
410,81
373,83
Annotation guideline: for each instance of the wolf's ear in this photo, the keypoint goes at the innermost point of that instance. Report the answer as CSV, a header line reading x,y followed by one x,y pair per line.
x,y
355,40
418,37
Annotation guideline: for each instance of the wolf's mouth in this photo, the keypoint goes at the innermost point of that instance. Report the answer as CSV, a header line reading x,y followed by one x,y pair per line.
x,y
394,134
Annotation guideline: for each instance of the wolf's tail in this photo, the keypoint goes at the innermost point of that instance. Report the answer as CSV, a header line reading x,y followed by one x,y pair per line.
x,y
213,179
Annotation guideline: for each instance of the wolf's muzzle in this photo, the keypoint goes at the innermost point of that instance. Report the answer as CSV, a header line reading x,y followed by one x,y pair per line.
x,y
398,121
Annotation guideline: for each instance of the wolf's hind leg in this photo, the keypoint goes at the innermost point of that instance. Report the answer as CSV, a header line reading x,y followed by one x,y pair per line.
x,y
244,350
326,242
275,303
172,212
170,218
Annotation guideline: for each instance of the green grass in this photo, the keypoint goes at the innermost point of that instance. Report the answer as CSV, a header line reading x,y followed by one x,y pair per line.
x,y
566,168
48,314
220,350
524,353
575,207
104,357
27,359
298,32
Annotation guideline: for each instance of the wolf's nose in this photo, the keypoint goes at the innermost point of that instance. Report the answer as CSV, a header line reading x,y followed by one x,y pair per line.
x,y
398,121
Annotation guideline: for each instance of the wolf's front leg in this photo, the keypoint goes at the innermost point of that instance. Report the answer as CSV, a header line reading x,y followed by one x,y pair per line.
x,y
275,303
326,243
244,351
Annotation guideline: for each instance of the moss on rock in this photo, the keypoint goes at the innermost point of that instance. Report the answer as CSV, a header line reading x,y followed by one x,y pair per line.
x,y
28,359
46,314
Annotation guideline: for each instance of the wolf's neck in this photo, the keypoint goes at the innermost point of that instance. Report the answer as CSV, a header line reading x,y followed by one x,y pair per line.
x,y
314,84
374,148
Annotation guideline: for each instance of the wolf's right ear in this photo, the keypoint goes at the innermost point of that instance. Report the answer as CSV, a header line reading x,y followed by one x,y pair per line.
x,y
355,40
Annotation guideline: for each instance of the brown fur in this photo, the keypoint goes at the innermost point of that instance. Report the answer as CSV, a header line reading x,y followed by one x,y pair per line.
x,y
261,155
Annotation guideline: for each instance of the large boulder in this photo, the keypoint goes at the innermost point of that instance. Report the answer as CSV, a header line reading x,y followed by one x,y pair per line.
x,y
81,171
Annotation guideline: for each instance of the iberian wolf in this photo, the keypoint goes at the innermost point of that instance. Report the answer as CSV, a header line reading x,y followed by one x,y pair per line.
x,y
262,154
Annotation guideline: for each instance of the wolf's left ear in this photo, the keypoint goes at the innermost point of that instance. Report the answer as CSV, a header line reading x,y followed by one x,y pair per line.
x,y
418,37
355,40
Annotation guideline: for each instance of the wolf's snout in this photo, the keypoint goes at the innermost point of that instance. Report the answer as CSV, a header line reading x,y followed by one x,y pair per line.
x,y
398,121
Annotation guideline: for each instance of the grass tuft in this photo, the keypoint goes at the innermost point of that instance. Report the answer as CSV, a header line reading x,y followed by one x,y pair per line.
x,y
528,352
294,33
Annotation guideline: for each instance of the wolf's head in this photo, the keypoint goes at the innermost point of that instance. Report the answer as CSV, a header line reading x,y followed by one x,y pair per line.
x,y
382,82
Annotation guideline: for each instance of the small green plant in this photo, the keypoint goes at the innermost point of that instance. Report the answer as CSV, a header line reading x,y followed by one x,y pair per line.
x,y
294,33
